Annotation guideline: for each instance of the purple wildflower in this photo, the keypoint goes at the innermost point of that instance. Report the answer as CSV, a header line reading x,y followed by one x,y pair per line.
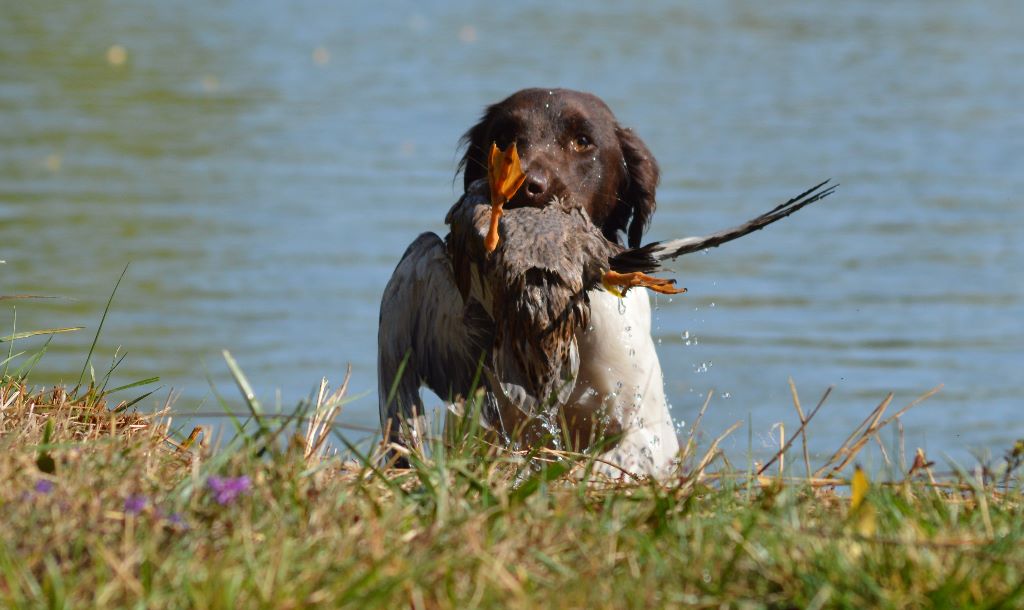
x,y
44,486
174,519
226,489
134,504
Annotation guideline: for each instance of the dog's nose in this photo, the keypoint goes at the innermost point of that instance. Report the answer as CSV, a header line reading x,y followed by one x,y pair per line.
x,y
536,188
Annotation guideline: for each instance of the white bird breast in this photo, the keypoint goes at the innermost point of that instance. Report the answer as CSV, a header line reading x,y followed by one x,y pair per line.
x,y
619,368
620,374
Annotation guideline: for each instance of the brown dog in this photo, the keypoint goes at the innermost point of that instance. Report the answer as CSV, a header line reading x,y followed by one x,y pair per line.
x,y
572,151
572,148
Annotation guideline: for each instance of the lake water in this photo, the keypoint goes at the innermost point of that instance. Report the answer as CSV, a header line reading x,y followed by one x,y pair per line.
x,y
263,165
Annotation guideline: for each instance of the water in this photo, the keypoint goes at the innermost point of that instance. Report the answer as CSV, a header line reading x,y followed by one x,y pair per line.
x,y
263,165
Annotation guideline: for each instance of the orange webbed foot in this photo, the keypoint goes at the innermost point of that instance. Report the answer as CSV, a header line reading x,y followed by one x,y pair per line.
x,y
504,176
619,283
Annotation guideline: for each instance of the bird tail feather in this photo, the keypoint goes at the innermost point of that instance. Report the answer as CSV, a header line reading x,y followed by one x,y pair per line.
x,y
647,259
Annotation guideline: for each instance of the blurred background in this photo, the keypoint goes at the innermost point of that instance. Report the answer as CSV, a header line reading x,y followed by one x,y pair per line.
x,y
263,165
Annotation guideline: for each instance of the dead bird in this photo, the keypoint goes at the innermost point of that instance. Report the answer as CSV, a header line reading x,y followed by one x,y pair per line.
x,y
537,287
564,358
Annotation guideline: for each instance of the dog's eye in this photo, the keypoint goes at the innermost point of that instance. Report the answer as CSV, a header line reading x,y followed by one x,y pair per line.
x,y
582,142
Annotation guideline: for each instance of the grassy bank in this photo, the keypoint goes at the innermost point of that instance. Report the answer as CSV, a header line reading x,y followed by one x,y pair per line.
x,y
103,508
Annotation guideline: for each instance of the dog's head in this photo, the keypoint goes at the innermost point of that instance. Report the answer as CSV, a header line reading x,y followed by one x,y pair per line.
x,y
572,149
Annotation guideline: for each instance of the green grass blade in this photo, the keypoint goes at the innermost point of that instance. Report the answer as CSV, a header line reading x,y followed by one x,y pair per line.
x,y
263,432
99,329
243,385
26,367
367,463
133,402
10,351
34,333
8,359
222,402
548,473
134,384
116,362
398,377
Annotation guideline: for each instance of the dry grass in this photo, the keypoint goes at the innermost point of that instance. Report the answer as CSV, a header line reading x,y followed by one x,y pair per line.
x,y
103,509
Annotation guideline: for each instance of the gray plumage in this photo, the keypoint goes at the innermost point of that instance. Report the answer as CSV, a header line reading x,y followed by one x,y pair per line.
x,y
426,332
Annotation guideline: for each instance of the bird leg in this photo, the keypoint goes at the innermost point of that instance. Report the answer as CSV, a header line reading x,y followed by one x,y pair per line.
x,y
491,239
618,283
505,176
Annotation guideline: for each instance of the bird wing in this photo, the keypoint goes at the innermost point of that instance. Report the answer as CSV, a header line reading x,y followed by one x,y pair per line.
x,y
467,222
648,258
428,335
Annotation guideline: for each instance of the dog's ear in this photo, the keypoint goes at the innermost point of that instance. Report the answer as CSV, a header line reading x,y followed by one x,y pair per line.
x,y
473,164
636,195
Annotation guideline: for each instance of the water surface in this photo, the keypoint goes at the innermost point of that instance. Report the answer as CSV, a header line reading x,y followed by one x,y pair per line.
x,y
263,165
